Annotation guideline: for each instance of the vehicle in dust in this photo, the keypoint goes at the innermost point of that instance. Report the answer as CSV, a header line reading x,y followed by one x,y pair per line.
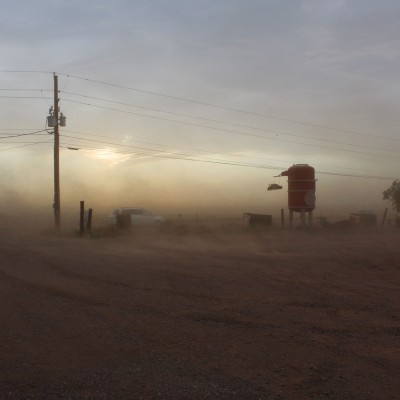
x,y
125,216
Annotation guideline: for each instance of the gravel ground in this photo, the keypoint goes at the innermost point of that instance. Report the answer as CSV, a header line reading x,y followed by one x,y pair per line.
x,y
200,314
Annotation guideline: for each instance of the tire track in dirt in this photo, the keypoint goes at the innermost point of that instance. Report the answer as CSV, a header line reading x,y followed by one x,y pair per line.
x,y
49,291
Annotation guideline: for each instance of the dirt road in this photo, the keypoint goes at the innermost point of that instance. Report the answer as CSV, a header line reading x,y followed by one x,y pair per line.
x,y
201,315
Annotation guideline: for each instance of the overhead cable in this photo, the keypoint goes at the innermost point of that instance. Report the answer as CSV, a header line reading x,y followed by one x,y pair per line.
x,y
295,121
223,130
275,131
22,134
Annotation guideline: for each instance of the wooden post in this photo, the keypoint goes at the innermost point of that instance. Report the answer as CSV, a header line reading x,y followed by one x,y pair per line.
x,y
282,217
57,207
384,217
89,221
82,218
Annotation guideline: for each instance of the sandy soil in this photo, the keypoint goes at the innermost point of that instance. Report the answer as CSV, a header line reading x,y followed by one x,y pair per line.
x,y
200,315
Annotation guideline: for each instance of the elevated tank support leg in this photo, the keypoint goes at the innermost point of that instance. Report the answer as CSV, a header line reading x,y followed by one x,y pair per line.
x,y
291,218
303,218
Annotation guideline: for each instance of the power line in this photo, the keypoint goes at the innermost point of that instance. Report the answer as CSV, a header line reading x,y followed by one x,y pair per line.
x,y
223,130
15,129
24,97
167,154
232,124
248,165
164,145
26,71
189,157
220,162
206,104
25,90
226,108
24,145
209,127
204,150
215,106
22,134
19,142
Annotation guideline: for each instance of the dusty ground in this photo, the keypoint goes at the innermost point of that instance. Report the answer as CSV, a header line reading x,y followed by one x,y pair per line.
x,y
200,315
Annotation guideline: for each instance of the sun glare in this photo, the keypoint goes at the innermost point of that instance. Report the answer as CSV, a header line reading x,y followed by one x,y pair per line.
x,y
109,156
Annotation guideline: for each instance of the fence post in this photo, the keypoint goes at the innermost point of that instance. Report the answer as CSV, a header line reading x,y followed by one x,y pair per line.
x,y
89,220
384,217
82,218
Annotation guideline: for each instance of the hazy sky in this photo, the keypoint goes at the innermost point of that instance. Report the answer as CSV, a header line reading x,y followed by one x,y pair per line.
x,y
271,83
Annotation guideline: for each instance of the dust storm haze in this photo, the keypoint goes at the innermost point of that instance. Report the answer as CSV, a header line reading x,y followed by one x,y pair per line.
x,y
191,110
170,190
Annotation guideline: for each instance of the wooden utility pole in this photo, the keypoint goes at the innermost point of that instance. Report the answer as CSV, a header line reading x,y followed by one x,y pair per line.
x,y
57,211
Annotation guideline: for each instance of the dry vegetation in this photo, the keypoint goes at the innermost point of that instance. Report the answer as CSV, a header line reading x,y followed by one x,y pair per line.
x,y
206,312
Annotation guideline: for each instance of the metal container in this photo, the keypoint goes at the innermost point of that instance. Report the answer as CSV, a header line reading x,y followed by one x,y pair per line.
x,y
51,121
301,187
63,120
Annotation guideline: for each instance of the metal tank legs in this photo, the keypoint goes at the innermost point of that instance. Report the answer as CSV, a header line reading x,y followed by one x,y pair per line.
x,y
291,218
302,218
310,218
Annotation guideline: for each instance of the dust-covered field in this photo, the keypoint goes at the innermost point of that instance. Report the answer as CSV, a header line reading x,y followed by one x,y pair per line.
x,y
205,313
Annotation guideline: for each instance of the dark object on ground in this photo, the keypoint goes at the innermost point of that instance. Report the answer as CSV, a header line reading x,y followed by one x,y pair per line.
x,y
323,221
342,224
257,219
123,221
365,218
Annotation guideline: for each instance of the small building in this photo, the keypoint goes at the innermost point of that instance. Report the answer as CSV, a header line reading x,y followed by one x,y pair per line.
x,y
257,219
365,218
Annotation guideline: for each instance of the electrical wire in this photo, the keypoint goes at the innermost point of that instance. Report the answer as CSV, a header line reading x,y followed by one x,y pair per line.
x,y
189,157
26,71
179,156
174,147
248,165
358,145
225,108
24,97
22,134
25,145
26,90
204,103
228,131
208,151
15,129
20,142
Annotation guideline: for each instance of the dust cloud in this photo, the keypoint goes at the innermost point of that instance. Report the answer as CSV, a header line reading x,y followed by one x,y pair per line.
x,y
168,189
200,306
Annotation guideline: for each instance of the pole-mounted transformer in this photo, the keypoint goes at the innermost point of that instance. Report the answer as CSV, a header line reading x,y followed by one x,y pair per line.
x,y
51,119
63,120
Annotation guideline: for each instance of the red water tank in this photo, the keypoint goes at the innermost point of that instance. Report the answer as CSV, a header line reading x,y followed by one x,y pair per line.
x,y
301,187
